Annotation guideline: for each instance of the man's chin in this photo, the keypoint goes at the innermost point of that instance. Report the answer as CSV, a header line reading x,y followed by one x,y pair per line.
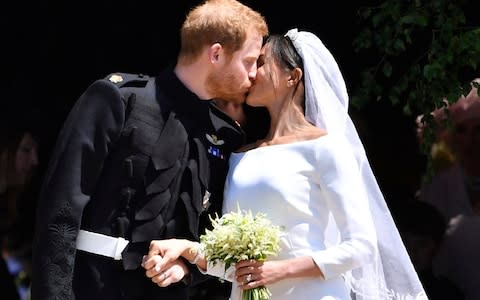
x,y
238,99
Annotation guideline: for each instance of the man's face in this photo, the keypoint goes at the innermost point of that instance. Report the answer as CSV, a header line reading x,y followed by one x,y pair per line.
x,y
232,78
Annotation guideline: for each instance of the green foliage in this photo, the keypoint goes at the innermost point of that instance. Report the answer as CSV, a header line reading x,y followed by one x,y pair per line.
x,y
419,53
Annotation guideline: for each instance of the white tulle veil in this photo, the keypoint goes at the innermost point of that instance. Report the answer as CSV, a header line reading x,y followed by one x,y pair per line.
x,y
391,275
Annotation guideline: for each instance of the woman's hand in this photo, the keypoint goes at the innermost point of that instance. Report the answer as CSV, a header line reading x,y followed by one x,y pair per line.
x,y
251,273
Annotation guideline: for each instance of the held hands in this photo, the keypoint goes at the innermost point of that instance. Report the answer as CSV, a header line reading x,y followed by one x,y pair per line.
x,y
171,273
162,264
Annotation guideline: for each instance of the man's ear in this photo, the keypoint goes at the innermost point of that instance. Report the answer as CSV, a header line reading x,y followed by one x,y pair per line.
x,y
214,52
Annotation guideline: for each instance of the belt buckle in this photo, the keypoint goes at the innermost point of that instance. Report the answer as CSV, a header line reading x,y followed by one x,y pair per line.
x,y
119,247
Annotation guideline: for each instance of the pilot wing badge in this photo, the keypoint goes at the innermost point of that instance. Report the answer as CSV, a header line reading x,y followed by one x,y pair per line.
x,y
213,148
214,140
115,78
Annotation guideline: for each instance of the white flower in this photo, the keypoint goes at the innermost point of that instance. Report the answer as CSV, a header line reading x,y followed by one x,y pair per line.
x,y
238,236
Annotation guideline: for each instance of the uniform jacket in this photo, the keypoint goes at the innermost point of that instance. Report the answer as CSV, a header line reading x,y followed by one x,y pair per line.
x,y
92,183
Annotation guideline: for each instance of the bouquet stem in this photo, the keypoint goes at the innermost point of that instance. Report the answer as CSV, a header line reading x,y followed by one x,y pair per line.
x,y
258,293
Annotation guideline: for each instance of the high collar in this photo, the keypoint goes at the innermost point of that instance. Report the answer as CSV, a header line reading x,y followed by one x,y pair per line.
x,y
179,97
194,111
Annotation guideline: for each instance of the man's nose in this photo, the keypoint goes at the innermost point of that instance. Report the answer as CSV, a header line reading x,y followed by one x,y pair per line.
x,y
253,73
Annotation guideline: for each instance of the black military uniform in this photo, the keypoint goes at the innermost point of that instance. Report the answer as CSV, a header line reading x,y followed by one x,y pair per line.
x,y
123,168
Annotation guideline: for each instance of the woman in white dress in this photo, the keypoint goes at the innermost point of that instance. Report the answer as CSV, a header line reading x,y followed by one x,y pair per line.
x,y
311,176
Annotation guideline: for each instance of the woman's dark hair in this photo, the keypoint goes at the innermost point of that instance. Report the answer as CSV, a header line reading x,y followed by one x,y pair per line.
x,y
284,52
12,131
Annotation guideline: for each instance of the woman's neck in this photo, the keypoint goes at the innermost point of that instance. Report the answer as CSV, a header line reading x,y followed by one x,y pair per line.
x,y
290,126
287,122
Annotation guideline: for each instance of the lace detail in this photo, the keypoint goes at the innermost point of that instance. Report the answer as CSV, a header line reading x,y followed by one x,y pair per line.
x,y
366,290
59,258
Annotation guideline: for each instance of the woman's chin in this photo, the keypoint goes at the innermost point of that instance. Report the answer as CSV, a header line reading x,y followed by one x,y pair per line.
x,y
249,100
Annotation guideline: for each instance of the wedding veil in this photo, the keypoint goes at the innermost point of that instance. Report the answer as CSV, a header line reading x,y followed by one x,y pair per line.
x,y
391,274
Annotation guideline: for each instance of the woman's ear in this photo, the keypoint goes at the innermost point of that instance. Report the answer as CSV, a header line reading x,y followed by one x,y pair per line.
x,y
295,77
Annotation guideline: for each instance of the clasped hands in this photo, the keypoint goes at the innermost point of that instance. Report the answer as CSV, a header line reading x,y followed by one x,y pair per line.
x,y
164,266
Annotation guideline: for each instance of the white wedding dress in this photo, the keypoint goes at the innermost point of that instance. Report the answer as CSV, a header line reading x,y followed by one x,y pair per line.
x,y
304,187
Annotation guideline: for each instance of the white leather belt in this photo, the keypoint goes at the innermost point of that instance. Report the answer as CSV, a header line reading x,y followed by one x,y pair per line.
x,y
101,244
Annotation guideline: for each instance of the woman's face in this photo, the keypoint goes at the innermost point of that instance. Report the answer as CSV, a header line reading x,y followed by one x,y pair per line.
x,y
26,159
270,83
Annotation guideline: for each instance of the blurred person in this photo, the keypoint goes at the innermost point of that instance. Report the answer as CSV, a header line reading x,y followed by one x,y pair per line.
x,y
458,258
309,175
455,189
8,287
441,151
18,165
455,192
466,143
423,230
142,158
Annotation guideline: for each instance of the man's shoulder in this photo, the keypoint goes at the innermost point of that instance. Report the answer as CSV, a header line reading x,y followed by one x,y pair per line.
x,y
123,80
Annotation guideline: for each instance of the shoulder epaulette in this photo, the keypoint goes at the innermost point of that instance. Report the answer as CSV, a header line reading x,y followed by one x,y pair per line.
x,y
128,79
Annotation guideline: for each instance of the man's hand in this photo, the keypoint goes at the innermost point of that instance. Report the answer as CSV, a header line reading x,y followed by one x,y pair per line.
x,y
169,273
162,264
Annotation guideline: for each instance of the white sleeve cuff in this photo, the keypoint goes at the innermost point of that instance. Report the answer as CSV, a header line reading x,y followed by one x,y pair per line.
x,y
218,270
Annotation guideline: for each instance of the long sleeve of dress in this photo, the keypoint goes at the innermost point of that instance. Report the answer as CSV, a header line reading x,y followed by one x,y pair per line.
x,y
89,131
316,190
342,189
218,270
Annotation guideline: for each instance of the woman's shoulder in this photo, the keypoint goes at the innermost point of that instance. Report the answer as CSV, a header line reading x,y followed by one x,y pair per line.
x,y
332,146
314,134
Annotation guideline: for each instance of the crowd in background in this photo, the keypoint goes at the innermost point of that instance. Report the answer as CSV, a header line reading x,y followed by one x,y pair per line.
x,y
19,184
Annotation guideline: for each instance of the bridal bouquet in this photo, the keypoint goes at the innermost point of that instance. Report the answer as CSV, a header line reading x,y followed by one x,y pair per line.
x,y
238,236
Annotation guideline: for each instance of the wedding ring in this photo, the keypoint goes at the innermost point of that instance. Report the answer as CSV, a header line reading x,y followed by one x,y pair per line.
x,y
248,278
164,276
